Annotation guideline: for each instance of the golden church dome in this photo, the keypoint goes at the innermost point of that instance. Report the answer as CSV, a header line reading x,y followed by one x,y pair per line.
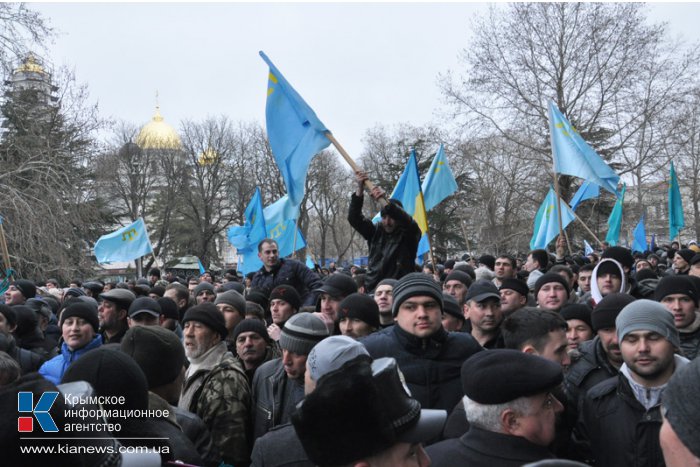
x,y
157,134
209,156
30,65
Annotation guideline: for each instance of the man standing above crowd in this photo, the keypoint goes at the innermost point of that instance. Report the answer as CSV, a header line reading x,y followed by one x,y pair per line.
x,y
392,243
280,271
429,357
620,418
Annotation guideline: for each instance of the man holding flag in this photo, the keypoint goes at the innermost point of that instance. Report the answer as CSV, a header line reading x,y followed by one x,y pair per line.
x,y
392,243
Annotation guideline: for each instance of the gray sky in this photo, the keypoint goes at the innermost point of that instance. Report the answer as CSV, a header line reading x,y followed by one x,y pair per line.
x,y
356,64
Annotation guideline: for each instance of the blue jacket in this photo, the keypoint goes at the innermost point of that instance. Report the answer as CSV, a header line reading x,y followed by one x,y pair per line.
x,y
53,369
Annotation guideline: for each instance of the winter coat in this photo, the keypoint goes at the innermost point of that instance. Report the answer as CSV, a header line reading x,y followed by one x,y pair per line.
x,y
274,397
690,338
482,448
216,389
615,429
280,447
391,255
28,361
53,369
431,366
590,369
293,273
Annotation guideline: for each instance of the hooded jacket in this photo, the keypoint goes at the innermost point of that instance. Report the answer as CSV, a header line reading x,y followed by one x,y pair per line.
x,y
595,291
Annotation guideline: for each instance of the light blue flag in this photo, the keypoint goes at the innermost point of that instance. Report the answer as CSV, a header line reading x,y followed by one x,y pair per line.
x,y
254,228
296,134
573,156
615,220
676,220
280,211
423,248
640,237
587,248
587,190
310,262
126,244
201,267
546,226
440,182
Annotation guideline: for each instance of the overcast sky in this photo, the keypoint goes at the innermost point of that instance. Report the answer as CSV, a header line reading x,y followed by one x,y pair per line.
x,y
356,64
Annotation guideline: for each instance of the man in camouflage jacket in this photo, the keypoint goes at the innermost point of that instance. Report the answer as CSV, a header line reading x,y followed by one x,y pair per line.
x,y
216,387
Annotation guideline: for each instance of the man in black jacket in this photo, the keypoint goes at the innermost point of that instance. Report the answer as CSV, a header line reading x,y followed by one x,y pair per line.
x,y
429,357
393,242
620,418
279,271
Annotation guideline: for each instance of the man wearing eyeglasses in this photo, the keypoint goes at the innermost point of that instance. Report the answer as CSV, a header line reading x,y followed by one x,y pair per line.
x,y
511,411
620,418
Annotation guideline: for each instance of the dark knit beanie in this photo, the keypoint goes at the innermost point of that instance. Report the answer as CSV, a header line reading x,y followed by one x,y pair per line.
x,y
488,260
451,307
157,351
360,306
301,333
551,277
26,287
620,254
158,290
288,294
74,292
259,295
202,286
81,310
208,314
645,274
412,285
687,254
461,276
670,285
515,284
232,298
169,308
27,320
578,311
9,314
237,286
682,405
605,313
111,373
251,325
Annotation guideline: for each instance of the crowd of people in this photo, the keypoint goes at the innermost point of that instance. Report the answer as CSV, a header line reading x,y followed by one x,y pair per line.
x,y
499,360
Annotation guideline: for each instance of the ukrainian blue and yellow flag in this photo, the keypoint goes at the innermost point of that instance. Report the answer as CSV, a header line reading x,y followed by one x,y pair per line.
x,y
295,133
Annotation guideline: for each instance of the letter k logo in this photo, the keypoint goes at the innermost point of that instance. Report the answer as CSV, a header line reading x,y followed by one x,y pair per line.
x,y
25,403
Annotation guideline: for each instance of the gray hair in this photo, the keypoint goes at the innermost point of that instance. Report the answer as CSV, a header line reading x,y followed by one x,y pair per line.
x,y
488,416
